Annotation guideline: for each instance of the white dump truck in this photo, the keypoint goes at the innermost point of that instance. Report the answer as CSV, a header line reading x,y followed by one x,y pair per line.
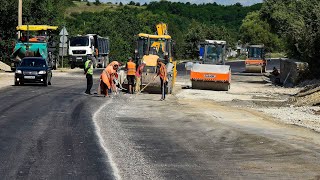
x,y
80,47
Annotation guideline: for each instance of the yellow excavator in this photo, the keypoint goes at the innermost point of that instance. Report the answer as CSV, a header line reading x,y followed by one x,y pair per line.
x,y
149,48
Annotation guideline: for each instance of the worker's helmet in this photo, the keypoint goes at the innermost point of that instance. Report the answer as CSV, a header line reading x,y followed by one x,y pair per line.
x,y
89,56
160,60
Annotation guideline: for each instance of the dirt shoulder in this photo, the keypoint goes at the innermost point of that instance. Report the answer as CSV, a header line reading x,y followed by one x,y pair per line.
x,y
6,79
255,93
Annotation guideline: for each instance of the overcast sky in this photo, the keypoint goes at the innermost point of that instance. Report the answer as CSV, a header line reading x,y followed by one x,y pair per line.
x,y
224,2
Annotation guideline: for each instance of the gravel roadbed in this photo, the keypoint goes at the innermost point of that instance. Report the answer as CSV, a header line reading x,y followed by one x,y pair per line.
x,y
305,116
273,101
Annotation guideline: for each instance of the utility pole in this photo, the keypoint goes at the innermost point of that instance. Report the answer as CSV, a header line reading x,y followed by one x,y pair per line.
x,y
19,16
63,36
20,13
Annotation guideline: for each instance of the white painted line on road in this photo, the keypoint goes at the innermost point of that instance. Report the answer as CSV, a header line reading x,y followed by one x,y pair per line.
x,y
103,144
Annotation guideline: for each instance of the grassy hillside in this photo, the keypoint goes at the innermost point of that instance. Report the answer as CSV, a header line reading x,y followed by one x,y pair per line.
x,y
80,7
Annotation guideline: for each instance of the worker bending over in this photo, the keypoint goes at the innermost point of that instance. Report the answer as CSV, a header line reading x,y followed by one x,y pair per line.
x,y
131,71
108,77
162,73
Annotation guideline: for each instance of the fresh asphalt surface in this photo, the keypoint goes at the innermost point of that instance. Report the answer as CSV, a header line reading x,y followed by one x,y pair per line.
x,y
51,133
47,132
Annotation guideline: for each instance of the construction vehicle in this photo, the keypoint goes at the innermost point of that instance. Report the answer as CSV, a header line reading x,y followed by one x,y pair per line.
x,y
80,47
211,73
35,41
256,61
151,47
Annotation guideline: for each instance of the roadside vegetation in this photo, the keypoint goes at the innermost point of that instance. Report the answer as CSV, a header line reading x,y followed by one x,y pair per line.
x,y
188,23
286,27
291,26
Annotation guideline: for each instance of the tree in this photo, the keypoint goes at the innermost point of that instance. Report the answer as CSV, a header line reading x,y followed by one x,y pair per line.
x,y
297,22
196,33
256,31
120,4
132,3
137,4
97,3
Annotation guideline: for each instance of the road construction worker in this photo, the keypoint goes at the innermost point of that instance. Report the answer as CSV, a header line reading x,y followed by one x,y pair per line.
x,y
138,76
275,72
33,39
162,73
88,71
276,75
107,78
131,72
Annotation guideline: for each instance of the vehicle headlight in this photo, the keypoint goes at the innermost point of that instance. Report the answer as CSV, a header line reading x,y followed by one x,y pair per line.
x,y
42,72
18,72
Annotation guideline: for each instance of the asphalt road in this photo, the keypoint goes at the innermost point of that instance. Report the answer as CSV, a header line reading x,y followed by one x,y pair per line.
x,y
237,70
187,139
56,132
47,132
238,66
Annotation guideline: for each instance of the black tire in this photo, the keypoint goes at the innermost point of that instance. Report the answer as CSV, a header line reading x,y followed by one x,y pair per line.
x,y
49,83
264,69
45,83
16,83
72,66
21,83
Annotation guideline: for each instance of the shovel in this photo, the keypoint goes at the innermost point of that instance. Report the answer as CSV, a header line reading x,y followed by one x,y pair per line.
x,y
146,86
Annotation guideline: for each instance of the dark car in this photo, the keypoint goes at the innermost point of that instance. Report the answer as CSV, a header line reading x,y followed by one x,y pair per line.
x,y
33,70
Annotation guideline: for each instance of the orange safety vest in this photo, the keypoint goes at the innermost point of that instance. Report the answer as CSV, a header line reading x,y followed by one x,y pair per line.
x,y
33,39
131,68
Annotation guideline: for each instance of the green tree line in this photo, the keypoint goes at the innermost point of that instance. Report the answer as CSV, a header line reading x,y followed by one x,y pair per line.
x,y
188,23
291,26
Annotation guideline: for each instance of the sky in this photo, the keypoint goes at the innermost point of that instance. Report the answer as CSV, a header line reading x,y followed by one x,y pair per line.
x,y
223,2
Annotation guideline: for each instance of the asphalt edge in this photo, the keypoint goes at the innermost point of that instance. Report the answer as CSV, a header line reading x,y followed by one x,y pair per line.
x,y
109,155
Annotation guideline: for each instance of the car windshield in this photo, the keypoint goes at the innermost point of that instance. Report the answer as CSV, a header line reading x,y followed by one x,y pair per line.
x,y
79,41
33,63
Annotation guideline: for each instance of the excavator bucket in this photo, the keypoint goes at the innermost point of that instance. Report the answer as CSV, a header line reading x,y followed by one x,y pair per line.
x,y
211,77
